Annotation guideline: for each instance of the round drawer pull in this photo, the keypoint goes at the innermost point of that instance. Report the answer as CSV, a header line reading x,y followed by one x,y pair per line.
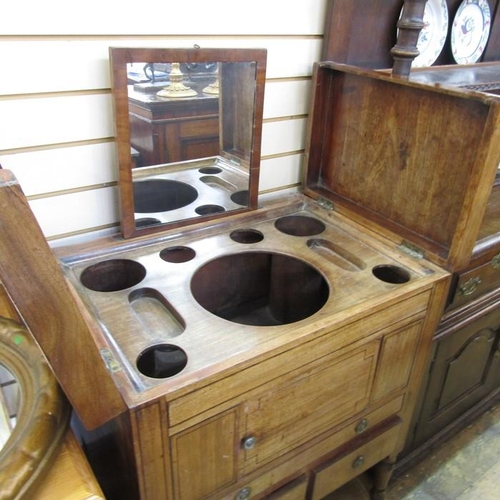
x,y
358,462
361,426
249,442
244,493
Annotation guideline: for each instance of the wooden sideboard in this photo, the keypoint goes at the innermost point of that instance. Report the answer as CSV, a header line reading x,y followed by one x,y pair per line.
x,y
463,376
173,130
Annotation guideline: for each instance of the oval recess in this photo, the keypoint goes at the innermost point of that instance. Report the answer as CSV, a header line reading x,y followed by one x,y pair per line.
x,y
391,274
246,236
113,275
162,361
299,225
209,209
218,183
177,255
156,315
336,254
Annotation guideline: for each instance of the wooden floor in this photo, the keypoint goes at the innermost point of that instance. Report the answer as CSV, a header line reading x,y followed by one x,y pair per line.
x,y
465,468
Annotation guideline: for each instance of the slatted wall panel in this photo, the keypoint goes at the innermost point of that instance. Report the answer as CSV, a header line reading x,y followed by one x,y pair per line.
x,y
56,126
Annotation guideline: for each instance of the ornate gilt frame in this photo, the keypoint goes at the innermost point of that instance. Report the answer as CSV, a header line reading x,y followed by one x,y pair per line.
x,y
42,417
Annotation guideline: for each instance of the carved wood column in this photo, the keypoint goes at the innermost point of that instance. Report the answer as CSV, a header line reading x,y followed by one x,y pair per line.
x,y
409,25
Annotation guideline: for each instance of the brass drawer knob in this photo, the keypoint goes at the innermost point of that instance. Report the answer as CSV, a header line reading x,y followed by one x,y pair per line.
x,y
358,462
249,442
244,493
361,426
470,286
495,262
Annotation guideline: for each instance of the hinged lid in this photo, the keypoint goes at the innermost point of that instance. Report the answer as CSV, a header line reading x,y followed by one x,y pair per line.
x,y
413,161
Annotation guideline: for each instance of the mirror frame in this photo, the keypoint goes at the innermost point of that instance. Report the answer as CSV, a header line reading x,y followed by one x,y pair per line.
x,y
43,413
119,58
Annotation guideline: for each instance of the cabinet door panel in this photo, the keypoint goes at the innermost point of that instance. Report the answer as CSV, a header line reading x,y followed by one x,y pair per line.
x,y
204,457
312,402
396,359
466,368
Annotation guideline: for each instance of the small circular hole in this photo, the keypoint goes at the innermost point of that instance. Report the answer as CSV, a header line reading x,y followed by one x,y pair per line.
x,y
113,275
391,274
246,236
240,198
209,209
210,170
177,254
162,361
299,225
146,221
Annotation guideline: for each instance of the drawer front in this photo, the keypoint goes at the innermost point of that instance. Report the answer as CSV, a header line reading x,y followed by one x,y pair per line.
x,y
474,283
308,404
330,476
296,490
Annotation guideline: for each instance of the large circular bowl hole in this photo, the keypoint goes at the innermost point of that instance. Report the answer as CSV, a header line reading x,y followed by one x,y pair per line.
x,y
299,225
240,198
177,255
210,170
113,275
162,361
391,274
146,222
209,209
160,195
246,236
259,288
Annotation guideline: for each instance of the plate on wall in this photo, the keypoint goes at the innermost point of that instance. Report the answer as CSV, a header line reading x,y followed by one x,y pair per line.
x,y
470,31
432,38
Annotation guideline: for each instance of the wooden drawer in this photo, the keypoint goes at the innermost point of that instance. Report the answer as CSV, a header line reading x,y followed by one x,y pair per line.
x,y
474,283
334,474
295,490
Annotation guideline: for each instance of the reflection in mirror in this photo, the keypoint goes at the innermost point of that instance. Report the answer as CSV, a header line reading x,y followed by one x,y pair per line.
x,y
189,124
33,412
9,403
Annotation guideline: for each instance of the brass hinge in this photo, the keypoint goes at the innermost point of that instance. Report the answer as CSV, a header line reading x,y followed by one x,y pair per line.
x,y
411,249
325,203
111,362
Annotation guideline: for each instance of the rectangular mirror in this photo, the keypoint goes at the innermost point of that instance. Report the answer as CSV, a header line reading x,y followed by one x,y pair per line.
x,y
188,132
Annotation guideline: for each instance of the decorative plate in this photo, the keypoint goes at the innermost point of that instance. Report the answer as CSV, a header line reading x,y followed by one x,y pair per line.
x,y
433,35
470,31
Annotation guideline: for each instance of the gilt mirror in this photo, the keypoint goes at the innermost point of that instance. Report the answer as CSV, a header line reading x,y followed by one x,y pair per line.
x,y
188,133
34,414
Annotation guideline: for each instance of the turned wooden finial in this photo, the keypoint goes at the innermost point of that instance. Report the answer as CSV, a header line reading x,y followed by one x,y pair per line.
x,y
409,25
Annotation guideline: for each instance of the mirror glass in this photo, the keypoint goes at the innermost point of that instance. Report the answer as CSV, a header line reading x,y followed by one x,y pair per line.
x,y
188,132
34,414
9,403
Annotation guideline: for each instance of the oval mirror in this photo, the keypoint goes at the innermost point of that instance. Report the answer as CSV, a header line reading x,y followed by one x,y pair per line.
x,y
33,412
188,134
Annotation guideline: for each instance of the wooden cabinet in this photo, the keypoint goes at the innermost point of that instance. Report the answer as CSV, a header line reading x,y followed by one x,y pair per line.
x,y
169,130
307,419
463,376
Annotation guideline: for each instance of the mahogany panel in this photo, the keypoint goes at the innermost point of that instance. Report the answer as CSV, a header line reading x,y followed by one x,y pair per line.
x,y
33,279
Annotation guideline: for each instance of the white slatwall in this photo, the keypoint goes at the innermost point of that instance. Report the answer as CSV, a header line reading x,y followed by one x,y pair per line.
x,y
56,126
